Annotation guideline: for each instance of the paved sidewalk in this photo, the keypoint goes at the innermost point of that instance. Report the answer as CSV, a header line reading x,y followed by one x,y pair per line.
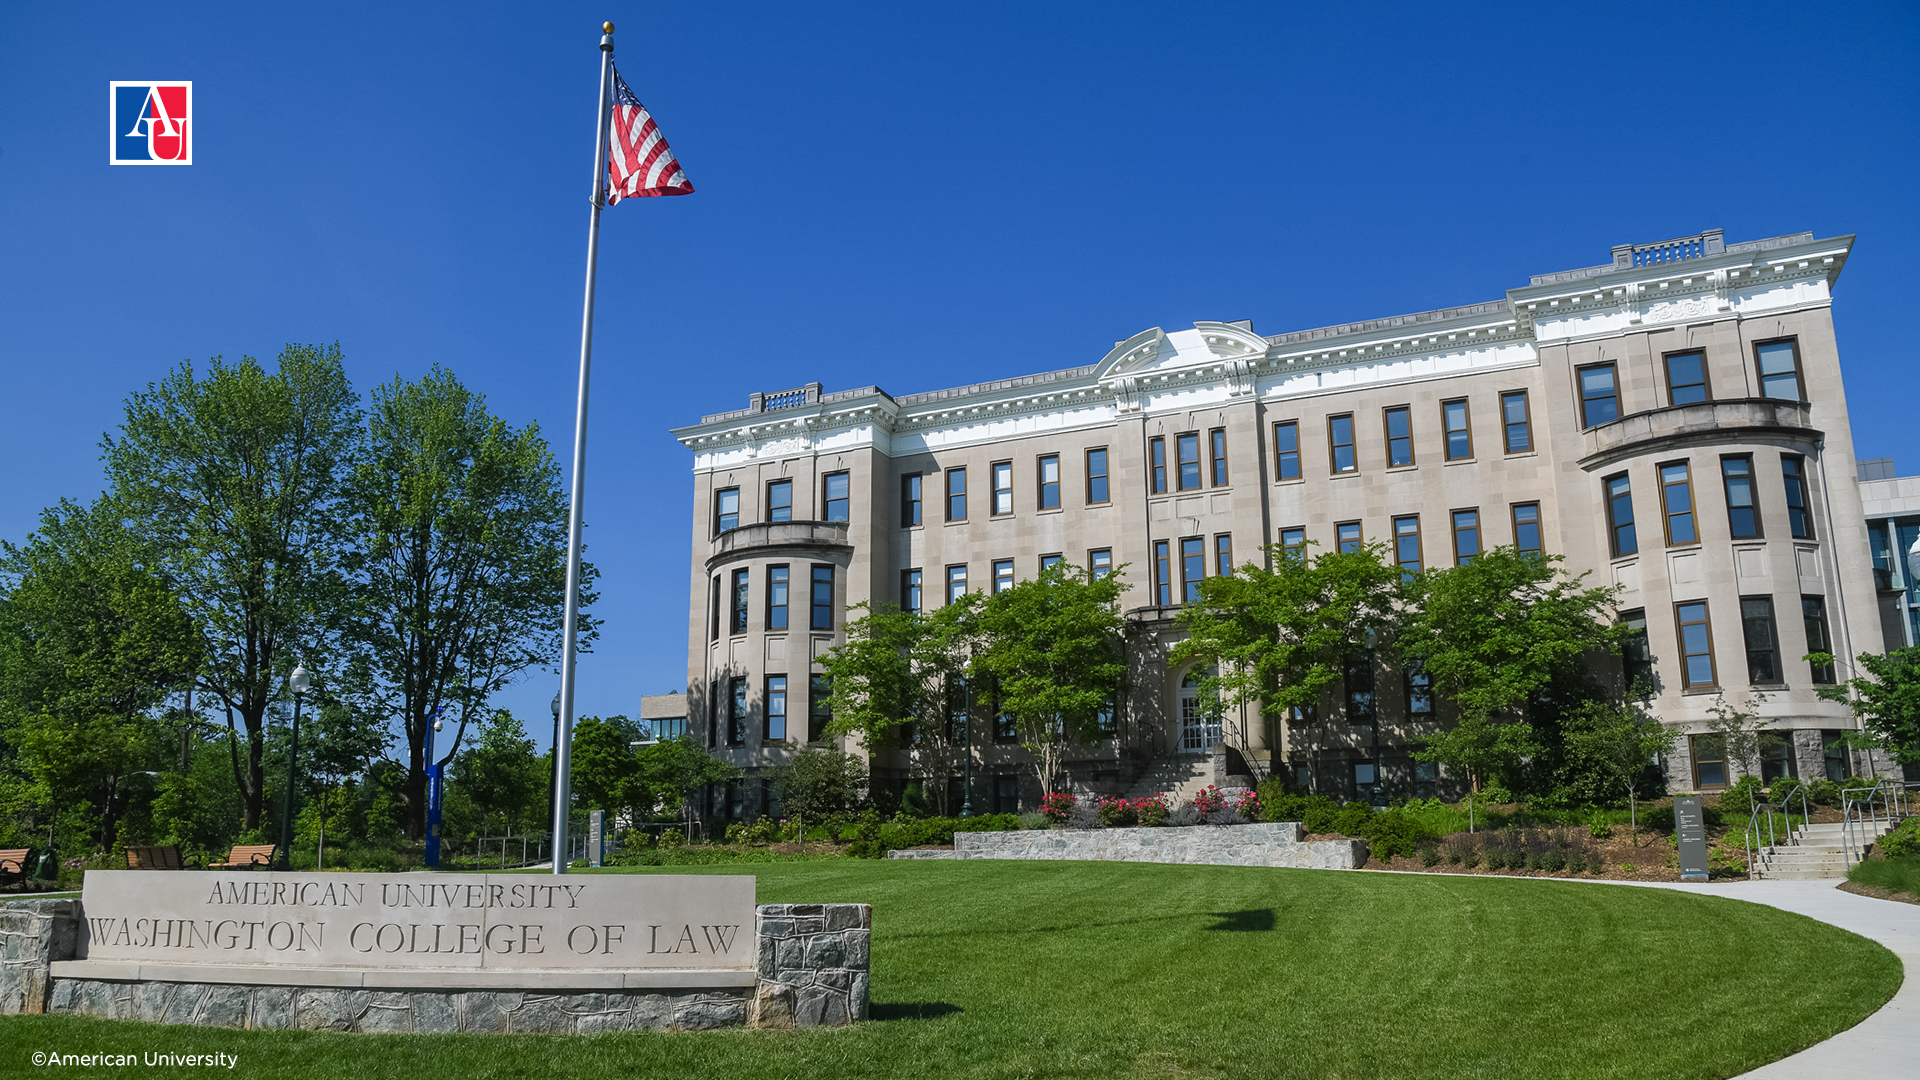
x,y
1884,1046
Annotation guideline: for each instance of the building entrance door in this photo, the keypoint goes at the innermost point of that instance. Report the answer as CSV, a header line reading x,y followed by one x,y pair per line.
x,y
1198,731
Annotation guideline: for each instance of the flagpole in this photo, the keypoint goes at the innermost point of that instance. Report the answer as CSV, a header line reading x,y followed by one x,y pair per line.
x,y
570,628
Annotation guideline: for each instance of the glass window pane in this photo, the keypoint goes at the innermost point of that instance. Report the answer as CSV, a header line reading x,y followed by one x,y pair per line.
x,y
1189,451
1341,429
1096,476
1779,375
780,501
1687,378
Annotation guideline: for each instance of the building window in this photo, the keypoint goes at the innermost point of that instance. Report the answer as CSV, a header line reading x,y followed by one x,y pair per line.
x,y
1686,378
819,706
1636,655
1526,527
1620,515
1599,397
1834,751
910,589
1293,543
1099,563
1743,511
726,505
1347,536
1794,469
739,620
776,598
836,492
1050,482
1419,693
1002,575
1426,778
1763,647
1002,488
957,494
1097,475
1223,554
1005,728
1193,568
1006,794
1162,573
1466,536
1360,701
1676,501
1453,415
1399,436
1696,645
1779,363
780,500
956,582
1709,761
1188,449
910,500
1286,450
1776,759
1814,610
713,713
1406,543
737,712
1515,418
1340,444
776,708
1157,462
823,597
1048,562
1218,442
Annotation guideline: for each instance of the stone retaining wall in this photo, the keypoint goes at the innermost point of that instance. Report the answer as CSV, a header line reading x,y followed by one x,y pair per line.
x,y
1271,844
811,971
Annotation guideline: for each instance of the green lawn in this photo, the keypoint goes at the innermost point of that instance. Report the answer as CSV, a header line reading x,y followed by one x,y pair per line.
x,y
996,969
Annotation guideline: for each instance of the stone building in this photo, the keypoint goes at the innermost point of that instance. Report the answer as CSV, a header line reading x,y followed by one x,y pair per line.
x,y
1672,421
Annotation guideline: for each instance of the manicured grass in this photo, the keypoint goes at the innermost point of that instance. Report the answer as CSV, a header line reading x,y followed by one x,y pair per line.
x,y
1000,969
1900,875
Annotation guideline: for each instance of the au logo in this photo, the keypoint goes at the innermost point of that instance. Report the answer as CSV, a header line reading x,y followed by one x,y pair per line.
x,y
152,123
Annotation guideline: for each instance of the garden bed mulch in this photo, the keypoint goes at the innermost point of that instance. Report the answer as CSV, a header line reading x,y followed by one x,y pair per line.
x,y
1878,892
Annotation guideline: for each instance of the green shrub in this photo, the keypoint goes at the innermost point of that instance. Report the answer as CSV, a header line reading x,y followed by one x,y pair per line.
x,y
1741,796
1599,827
1035,821
1903,842
1823,792
1899,874
1660,818
1429,851
1389,832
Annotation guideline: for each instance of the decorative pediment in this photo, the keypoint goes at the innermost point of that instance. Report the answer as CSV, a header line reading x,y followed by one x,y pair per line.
x,y
1137,353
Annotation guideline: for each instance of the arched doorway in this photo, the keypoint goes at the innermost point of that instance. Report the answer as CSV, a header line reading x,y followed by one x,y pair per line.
x,y
1198,731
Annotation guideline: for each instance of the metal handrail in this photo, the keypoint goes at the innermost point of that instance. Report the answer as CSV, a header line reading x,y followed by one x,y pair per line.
x,y
1884,800
1785,809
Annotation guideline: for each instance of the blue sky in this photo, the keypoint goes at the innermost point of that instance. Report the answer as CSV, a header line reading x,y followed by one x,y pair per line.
x,y
911,195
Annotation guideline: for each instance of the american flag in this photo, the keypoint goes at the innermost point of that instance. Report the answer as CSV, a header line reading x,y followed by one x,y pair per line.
x,y
639,161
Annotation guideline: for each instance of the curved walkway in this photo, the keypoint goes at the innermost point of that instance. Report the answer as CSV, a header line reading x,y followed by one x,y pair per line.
x,y
1884,1046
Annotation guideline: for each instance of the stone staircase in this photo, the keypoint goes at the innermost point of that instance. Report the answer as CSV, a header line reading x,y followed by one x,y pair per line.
x,y
1178,776
1814,852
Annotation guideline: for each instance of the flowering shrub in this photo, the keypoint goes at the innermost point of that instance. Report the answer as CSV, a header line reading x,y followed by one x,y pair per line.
x,y
1118,813
1209,800
1151,811
1248,804
1058,806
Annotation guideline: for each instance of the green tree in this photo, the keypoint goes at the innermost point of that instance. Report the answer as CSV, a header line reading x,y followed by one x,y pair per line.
x,y
1742,733
1277,639
1886,699
234,481
459,561
896,682
90,640
818,784
606,767
1605,748
501,772
672,769
1491,635
1049,654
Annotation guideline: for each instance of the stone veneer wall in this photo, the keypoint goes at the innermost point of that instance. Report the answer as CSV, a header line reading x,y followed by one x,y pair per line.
x,y
811,971
33,934
1270,844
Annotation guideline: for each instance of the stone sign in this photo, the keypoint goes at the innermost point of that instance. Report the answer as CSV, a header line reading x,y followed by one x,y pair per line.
x,y
512,924
1691,827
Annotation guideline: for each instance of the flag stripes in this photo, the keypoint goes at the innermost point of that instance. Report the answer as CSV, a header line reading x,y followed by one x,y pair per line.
x,y
639,161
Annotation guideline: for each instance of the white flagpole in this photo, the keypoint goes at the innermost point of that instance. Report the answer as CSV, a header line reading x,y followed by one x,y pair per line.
x,y
569,651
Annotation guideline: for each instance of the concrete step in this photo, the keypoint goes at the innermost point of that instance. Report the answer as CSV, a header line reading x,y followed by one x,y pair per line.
x,y
1802,875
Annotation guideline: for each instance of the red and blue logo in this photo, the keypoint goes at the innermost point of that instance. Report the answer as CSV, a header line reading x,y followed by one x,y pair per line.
x,y
152,123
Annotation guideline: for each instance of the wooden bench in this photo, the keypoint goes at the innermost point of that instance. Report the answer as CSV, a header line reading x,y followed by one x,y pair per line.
x,y
247,857
13,865
153,858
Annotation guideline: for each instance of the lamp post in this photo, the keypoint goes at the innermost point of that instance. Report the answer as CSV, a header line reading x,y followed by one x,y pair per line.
x,y
433,796
298,682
